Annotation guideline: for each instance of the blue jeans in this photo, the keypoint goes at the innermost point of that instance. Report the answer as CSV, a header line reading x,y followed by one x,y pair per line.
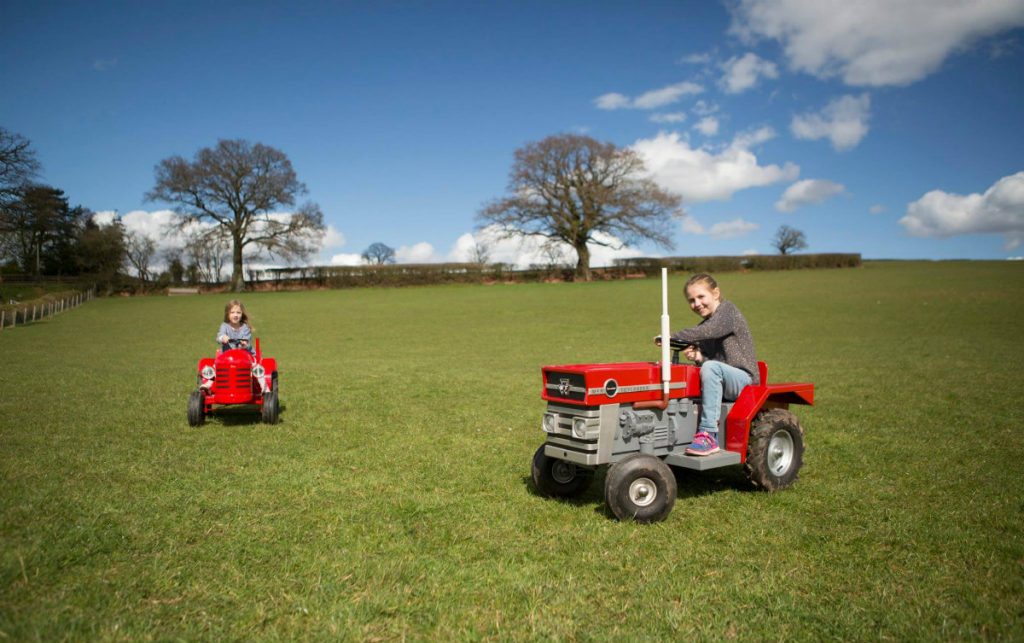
x,y
718,381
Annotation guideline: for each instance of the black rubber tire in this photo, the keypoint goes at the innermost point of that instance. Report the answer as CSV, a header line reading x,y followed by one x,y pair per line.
x,y
558,478
271,407
775,451
196,408
640,488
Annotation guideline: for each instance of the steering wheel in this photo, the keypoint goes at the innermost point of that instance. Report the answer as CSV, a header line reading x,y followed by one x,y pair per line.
x,y
232,344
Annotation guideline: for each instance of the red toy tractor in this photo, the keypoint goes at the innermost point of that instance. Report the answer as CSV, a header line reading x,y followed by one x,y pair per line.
x,y
235,377
639,417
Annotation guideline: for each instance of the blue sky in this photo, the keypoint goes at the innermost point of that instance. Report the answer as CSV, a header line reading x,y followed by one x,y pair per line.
x,y
893,129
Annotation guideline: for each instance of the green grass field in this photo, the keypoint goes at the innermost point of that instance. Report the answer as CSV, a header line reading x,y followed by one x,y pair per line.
x,y
393,501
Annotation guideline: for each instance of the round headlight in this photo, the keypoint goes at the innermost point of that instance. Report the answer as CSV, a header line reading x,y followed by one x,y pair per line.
x,y
579,427
550,422
258,371
208,372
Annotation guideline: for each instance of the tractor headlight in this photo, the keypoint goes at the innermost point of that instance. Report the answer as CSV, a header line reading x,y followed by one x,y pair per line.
x,y
579,427
550,422
208,373
258,371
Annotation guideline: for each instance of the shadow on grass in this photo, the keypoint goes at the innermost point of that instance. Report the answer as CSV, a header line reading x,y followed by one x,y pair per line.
x,y
690,484
241,415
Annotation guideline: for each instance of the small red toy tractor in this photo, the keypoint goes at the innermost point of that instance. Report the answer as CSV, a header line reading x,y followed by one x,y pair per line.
x,y
626,416
234,377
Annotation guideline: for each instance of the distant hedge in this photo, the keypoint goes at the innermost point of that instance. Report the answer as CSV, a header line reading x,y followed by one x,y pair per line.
x,y
442,273
652,265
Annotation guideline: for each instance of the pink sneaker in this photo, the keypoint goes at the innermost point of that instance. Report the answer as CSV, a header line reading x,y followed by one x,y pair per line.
x,y
703,444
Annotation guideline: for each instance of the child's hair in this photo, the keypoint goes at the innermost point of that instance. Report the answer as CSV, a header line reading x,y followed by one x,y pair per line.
x,y
701,278
245,316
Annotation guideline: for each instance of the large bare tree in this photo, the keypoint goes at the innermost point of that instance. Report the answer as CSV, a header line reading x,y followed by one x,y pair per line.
x,y
18,164
568,188
241,188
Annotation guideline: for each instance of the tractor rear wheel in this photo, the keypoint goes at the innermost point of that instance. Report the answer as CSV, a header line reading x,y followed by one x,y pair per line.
x,y
196,408
271,407
776,450
558,478
641,488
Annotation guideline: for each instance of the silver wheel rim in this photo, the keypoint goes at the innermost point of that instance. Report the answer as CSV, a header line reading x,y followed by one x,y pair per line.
x,y
563,472
642,492
780,453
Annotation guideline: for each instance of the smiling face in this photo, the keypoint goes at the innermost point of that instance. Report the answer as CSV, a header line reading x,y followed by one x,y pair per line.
x,y
703,300
235,315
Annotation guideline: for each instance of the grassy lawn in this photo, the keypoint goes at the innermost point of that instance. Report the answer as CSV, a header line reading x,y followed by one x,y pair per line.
x,y
394,501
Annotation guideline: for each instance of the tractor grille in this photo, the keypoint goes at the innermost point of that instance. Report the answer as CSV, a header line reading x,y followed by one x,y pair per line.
x,y
233,379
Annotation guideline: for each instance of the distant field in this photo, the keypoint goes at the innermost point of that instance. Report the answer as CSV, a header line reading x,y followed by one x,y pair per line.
x,y
394,501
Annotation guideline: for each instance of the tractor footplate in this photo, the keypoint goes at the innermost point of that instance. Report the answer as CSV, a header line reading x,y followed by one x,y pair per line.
x,y
703,462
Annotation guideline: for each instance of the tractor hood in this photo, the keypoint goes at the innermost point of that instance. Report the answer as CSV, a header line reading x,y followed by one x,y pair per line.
x,y
625,382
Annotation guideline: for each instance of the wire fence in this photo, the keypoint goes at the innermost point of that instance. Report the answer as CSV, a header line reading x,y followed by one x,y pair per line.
x,y
19,314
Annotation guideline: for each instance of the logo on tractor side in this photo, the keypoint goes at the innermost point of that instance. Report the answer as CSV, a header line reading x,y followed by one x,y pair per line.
x,y
611,387
563,387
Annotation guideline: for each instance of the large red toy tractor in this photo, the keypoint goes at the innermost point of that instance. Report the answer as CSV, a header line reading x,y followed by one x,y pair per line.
x,y
235,377
639,417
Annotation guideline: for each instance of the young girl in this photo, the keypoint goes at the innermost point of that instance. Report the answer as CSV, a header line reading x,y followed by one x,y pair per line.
x,y
724,350
235,327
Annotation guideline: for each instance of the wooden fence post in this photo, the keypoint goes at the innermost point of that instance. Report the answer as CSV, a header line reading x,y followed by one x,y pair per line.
x,y
3,313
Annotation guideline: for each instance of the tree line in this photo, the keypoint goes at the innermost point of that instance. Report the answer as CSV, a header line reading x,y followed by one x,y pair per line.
x,y
237,201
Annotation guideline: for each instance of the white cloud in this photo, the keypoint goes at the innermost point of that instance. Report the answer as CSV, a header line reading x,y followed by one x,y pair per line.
x,y
521,253
807,192
1000,210
691,225
708,126
346,259
649,100
743,72
750,252
731,229
706,174
704,108
720,230
673,117
695,59
873,42
844,121
421,252
878,208
333,238
103,64
613,100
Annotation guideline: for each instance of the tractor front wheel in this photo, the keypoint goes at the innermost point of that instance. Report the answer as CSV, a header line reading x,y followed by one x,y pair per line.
x,y
641,488
776,450
196,408
558,478
271,407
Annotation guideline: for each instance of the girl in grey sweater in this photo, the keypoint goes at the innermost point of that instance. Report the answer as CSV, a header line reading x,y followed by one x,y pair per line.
x,y
722,346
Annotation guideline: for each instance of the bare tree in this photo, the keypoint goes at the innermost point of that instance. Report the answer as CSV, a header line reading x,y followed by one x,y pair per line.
x,y
379,254
570,188
240,187
208,252
480,252
18,164
139,250
788,239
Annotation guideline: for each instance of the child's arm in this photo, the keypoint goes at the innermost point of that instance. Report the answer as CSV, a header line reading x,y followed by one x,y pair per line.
x,y
222,334
719,325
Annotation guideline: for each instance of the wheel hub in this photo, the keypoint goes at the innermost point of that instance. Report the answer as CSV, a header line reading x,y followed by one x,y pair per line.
x,y
780,453
642,492
563,472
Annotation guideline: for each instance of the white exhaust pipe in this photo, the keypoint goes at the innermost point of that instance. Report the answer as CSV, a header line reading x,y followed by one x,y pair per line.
x,y
666,361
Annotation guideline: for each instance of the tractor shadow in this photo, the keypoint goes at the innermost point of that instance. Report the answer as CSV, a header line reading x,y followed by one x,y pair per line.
x,y
690,484
241,416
